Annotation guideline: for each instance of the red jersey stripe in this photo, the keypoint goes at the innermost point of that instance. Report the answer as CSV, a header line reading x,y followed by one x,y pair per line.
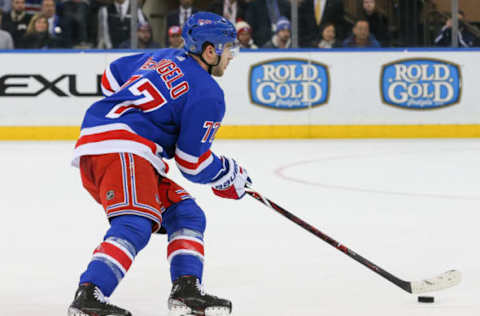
x,y
115,135
105,82
191,165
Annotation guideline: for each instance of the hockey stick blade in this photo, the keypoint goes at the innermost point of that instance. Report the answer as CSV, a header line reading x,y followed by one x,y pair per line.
x,y
440,282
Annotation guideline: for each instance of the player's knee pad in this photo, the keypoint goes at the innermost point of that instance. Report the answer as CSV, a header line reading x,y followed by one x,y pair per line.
x,y
134,229
184,215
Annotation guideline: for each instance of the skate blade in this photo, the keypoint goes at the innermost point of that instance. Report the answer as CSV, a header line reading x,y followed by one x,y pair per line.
x,y
209,311
180,311
76,312
217,311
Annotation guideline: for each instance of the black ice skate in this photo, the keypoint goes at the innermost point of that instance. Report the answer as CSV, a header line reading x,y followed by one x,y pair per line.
x,y
187,298
89,301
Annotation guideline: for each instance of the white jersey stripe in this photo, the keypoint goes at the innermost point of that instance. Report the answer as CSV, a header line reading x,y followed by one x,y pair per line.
x,y
105,128
185,156
199,168
114,127
118,146
105,91
111,79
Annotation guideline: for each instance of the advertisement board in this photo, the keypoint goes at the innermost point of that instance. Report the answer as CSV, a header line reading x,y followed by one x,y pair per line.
x,y
269,94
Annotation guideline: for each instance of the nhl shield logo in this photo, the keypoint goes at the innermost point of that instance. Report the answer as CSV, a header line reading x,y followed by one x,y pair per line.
x,y
110,195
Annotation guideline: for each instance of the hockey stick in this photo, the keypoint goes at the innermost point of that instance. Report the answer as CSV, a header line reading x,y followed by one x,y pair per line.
x,y
442,281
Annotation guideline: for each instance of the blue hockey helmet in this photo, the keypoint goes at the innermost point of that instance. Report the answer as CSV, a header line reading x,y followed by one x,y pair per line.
x,y
203,27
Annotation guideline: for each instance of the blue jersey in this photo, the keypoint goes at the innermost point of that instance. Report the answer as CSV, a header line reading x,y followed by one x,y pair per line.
x,y
157,105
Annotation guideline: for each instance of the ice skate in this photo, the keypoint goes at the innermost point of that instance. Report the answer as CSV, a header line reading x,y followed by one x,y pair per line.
x,y
187,298
89,301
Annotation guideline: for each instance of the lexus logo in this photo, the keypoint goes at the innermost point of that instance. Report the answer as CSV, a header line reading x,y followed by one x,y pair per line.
x,y
27,85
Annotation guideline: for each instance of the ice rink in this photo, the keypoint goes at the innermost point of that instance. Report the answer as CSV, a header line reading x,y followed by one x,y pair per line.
x,y
410,206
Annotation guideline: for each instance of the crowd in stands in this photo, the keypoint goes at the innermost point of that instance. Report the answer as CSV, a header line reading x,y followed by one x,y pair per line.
x,y
105,24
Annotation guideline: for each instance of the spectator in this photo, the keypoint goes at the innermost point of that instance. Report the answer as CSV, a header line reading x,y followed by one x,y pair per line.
x,y
77,13
232,10
175,39
179,16
328,39
361,36
56,25
93,21
6,41
144,38
409,21
465,37
114,23
281,39
33,6
5,5
263,15
312,17
16,21
377,21
37,35
244,35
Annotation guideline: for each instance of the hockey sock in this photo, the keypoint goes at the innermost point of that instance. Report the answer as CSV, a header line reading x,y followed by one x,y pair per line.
x,y
185,223
185,253
128,234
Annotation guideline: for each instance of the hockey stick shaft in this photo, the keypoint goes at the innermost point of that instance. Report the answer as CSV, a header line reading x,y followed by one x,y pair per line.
x,y
406,286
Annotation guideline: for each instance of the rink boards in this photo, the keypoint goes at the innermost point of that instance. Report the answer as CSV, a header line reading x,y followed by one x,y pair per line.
x,y
269,93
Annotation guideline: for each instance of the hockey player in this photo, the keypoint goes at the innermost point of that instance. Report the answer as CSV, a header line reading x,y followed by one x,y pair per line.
x,y
158,106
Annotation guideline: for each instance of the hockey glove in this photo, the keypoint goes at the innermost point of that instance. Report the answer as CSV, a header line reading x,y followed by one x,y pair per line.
x,y
232,182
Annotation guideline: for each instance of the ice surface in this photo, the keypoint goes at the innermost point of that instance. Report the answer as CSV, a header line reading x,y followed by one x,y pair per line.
x,y
410,206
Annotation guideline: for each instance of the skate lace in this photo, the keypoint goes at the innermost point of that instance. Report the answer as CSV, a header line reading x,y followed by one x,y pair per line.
x,y
100,297
200,288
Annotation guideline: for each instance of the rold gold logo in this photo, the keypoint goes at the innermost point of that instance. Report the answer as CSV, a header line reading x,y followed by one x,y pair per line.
x,y
289,84
421,83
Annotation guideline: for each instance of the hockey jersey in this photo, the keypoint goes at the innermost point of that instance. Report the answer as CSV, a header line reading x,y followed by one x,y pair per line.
x,y
158,105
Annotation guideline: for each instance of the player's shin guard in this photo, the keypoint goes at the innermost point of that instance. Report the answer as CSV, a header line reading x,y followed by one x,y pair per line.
x,y
112,259
185,223
185,253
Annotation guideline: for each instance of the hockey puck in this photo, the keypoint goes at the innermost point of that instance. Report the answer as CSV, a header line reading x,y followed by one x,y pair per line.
x,y
426,299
